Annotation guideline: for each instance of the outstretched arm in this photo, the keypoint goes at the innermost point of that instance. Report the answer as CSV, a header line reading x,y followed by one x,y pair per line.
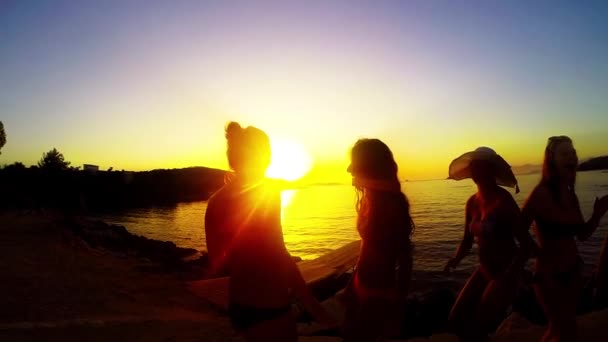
x,y
599,210
467,240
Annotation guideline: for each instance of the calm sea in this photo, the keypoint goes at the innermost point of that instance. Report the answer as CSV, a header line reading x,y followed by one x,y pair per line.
x,y
321,218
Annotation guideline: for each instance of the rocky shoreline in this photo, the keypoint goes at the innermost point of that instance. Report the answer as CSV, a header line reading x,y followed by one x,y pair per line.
x,y
63,272
116,238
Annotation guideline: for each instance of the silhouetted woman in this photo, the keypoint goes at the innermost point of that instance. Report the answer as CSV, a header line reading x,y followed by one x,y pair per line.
x,y
492,219
243,224
380,284
554,207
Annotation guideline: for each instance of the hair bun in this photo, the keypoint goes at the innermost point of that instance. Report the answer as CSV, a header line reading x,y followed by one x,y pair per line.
x,y
233,130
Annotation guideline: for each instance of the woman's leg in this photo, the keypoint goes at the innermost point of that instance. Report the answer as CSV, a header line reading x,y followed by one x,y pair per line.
x,y
497,297
280,329
460,320
548,297
573,293
559,301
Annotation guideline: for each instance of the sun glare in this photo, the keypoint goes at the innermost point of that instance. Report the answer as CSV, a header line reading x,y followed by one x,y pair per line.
x,y
290,160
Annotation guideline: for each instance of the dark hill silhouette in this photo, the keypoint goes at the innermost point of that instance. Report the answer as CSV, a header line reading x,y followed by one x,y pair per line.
x,y
80,190
526,169
597,163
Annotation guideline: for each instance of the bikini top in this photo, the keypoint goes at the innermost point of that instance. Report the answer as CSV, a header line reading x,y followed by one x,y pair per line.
x,y
552,230
489,227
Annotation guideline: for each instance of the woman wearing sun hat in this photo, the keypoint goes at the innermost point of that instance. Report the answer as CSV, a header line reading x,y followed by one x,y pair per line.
x,y
492,218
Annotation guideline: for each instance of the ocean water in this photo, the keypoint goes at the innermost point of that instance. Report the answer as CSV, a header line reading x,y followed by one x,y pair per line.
x,y
320,218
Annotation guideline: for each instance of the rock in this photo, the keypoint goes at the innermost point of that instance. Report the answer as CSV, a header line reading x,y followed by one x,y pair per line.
x,y
296,258
98,234
319,339
23,325
316,329
444,338
591,327
427,312
526,305
335,307
514,322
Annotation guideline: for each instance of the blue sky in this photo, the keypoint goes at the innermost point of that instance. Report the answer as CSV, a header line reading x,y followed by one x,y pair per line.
x,y
148,84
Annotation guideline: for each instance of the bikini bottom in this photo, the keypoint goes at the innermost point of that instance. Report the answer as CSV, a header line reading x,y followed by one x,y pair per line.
x,y
563,278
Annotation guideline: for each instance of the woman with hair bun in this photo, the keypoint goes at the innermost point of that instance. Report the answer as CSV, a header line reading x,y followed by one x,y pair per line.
x,y
245,241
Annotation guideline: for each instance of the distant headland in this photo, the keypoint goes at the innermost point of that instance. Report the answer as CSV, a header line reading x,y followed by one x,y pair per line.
x,y
597,163
76,189
591,164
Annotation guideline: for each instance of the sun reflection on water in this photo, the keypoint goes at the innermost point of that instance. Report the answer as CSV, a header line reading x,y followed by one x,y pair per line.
x,y
286,199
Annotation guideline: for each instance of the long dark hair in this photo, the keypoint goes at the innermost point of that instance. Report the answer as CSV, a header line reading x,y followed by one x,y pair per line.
x,y
550,176
372,160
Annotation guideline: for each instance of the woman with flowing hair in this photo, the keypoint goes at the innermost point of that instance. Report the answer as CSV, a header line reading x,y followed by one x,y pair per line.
x,y
380,284
492,219
554,208
245,240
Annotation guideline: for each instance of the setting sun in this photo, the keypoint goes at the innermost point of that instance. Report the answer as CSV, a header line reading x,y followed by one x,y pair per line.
x,y
290,160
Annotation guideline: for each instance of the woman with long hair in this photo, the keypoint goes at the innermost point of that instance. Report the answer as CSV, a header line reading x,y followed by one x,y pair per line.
x,y
245,239
379,286
554,207
492,219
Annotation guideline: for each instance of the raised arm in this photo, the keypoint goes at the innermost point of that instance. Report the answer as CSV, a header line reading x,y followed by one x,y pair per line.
x,y
599,210
467,240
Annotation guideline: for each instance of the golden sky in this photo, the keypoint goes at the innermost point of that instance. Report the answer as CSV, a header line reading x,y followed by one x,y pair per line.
x,y
131,87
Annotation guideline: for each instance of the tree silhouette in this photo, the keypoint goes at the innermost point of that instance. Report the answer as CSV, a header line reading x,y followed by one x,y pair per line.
x,y
15,166
53,160
2,136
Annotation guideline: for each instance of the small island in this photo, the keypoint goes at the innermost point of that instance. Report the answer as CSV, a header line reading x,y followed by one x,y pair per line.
x,y
597,163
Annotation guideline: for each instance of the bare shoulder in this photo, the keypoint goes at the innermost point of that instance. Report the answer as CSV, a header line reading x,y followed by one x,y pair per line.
x,y
507,200
216,196
472,200
471,204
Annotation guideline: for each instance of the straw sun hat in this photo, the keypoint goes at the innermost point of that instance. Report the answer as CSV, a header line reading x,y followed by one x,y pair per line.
x,y
460,168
